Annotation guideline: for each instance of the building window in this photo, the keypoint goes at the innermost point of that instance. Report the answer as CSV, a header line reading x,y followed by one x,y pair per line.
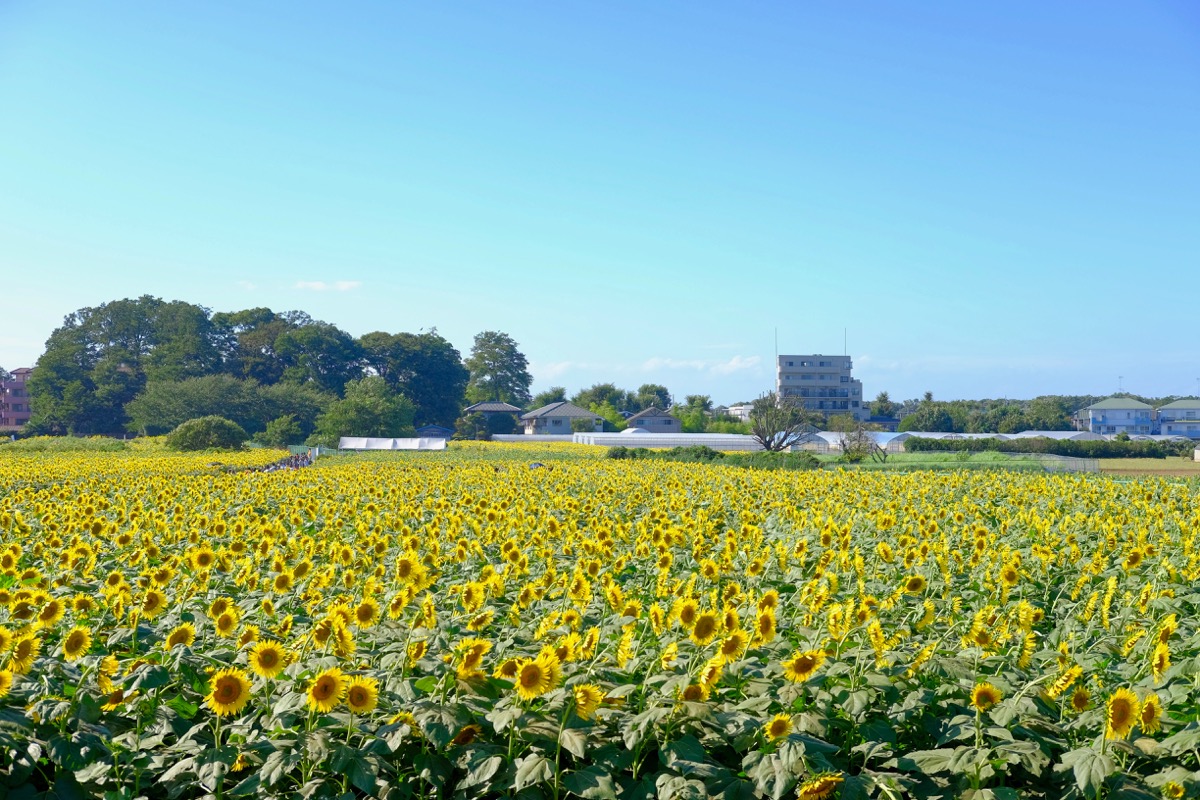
x,y
791,364
845,379
556,422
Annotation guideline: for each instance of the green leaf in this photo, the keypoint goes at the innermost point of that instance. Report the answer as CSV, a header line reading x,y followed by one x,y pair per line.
x,y
426,684
927,761
574,740
481,771
533,769
1091,768
592,783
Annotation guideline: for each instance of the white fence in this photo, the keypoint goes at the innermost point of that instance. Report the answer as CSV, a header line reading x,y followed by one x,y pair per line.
x,y
370,443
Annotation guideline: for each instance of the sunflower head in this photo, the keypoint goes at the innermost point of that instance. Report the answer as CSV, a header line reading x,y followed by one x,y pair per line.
x,y
230,692
587,699
362,694
268,659
326,690
77,643
778,727
1150,717
803,664
984,696
1121,714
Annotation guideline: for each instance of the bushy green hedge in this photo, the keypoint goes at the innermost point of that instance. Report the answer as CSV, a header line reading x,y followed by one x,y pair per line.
x,y
1058,447
65,444
699,454
207,433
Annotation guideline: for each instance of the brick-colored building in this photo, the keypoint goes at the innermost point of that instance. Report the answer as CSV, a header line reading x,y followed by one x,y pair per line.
x,y
14,401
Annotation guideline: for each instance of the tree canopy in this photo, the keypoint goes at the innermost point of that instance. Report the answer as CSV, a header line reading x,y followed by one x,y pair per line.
x,y
498,370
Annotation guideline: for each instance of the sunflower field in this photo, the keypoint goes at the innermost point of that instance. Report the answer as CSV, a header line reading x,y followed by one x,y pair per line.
x,y
473,624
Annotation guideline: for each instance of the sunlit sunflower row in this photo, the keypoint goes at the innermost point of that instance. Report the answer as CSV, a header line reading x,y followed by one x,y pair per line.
x,y
469,622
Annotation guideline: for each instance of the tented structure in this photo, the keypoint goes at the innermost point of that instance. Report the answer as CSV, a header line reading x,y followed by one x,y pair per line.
x,y
370,443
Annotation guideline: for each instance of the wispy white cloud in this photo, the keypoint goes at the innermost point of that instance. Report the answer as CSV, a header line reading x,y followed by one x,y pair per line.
x,y
247,285
715,367
324,286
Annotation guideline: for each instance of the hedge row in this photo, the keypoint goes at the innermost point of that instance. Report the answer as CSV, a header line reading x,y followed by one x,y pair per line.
x,y
1058,447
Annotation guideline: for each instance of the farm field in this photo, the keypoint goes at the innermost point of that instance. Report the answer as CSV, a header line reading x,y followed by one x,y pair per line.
x,y
1151,466
513,620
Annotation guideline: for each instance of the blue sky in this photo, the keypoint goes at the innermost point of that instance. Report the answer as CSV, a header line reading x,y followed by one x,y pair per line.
x,y
995,199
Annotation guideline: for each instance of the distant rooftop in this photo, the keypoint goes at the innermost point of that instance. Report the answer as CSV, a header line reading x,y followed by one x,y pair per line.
x,y
1117,402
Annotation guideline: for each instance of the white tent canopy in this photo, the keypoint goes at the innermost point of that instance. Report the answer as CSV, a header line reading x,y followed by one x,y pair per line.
x,y
370,443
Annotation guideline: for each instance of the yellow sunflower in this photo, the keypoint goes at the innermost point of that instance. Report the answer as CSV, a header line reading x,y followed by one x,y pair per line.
x,y
532,679
984,696
1121,714
230,692
153,604
802,665
706,627
1081,698
24,651
185,635
1150,717
915,584
268,659
6,682
226,622
819,787
51,613
733,645
367,613
326,690
1160,660
362,694
76,643
587,699
778,727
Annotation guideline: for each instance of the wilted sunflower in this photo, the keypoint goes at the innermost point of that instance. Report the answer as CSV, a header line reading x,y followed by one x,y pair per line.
x,y
587,699
326,690
468,734
185,634
802,665
362,694
778,727
268,659
230,692
819,787
1150,717
1121,714
984,696
76,643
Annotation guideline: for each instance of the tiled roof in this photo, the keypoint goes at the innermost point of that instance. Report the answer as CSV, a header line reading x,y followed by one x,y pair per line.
x,y
650,412
491,406
561,409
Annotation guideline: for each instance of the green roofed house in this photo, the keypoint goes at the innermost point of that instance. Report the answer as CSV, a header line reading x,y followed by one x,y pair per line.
x,y
1181,418
557,419
1118,415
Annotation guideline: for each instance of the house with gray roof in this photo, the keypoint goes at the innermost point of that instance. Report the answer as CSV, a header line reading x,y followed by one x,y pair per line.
x,y
1117,415
1181,418
654,420
558,418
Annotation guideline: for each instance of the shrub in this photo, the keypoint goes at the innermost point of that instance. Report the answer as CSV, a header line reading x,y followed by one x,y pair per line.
x,y
280,432
207,433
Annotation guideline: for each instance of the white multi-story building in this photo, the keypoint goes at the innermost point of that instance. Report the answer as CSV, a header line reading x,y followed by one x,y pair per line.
x,y
823,383
1181,418
1117,415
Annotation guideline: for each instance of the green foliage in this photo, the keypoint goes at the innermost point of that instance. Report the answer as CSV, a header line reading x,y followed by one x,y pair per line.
x,y
207,433
64,444
883,406
472,426
601,394
777,423
424,367
580,425
163,405
498,370
699,454
501,424
280,432
555,394
652,395
1041,444
370,408
613,421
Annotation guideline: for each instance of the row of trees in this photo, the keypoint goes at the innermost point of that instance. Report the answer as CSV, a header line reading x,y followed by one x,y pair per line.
x,y
144,365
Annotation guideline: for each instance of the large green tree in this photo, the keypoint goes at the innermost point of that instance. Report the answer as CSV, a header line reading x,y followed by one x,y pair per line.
x,y
599,394
499,370
652,395
424,367
555,394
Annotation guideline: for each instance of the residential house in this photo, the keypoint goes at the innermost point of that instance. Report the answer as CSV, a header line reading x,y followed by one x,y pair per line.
x,y
654,420
1181,418
558,418
1117,415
